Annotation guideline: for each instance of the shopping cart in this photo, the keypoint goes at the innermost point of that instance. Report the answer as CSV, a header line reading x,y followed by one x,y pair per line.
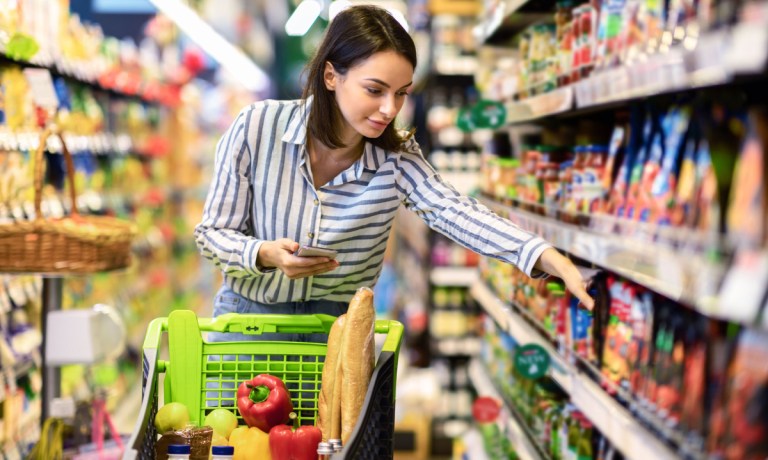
x,y
203,375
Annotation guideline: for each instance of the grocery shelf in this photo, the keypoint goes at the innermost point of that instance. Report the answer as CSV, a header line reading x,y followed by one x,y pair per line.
x,y
544,105
453,276
453,347
523,445
473,445
510,17
675,263
85,74
101,143
715,58
616,423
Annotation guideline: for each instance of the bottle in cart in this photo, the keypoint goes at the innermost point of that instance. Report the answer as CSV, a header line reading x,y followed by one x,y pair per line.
x,y
179,451
324,450
222,453
335,445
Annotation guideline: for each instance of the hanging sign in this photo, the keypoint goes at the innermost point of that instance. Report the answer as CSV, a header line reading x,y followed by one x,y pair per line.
x,y
531,361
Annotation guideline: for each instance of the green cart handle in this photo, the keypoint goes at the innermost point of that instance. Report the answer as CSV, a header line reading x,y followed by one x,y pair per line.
x,y
257,324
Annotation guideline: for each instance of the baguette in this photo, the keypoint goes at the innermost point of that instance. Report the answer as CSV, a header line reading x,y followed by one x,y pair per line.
x,y
357,358
329,404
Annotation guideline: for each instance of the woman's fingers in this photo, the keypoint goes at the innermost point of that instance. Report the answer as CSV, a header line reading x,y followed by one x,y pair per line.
x,y
580,291
303,269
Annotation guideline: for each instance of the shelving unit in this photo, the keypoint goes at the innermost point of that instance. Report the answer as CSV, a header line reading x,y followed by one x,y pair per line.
x,y
453,276
507,421
457,347
729,55
683,266
510,17
618,425
82,74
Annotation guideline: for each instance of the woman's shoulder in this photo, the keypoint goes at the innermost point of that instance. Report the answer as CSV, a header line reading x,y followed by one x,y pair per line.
x,y
269,113
409,144
277,106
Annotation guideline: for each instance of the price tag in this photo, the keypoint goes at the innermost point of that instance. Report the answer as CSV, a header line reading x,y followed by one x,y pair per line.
x,y
744,286
41,87
532,361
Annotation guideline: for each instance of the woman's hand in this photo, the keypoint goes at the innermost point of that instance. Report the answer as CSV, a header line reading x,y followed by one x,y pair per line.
x,y
560,266
279,254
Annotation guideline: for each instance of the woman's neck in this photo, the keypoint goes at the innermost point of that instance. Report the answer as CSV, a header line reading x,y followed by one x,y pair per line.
x,y
350,152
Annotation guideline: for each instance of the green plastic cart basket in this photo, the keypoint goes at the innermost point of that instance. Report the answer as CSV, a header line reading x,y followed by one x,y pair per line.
x,y
204,375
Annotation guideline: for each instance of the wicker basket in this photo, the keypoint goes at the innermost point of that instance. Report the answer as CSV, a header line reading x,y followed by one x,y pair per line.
x,y
74,244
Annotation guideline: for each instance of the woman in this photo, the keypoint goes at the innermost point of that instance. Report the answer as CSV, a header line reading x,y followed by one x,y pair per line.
x,y
330,170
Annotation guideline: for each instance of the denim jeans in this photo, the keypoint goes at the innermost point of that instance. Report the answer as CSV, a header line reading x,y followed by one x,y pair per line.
x,y
228,301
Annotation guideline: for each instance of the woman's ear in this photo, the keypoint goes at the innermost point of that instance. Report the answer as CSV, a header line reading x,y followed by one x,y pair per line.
x,y
329,76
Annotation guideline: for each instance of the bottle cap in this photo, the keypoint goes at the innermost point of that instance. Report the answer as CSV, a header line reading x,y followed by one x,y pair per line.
x,y
335,444
222,450
324,448
179,449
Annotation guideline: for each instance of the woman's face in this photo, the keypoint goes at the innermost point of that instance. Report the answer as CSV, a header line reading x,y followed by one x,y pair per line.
x,y
371,93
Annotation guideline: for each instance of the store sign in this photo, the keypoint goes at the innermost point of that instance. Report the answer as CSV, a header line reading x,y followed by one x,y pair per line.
x,y
486,409
489,114
485,114
531,361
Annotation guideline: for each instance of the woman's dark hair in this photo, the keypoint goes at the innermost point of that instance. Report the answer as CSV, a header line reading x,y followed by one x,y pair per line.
x,y
353,35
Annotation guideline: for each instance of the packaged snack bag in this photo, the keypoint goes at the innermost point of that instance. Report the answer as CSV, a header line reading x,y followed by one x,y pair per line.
x,y
746,219
662,192
747,407
694,379
686,186
641,322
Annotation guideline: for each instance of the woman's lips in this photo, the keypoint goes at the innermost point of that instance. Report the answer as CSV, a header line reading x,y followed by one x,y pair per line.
x,y
378,124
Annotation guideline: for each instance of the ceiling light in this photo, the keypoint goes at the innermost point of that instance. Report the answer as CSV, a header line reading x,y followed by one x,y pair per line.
x,y
230,57
303,17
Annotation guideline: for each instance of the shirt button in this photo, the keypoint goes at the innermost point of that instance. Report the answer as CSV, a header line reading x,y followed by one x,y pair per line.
x,y
310,235
317,202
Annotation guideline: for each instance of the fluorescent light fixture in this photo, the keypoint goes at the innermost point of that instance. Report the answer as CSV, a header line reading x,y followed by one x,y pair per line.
x,y
230,57
337,6
303,17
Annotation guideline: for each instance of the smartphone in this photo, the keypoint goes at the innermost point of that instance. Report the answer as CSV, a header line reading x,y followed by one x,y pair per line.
x,y
314,251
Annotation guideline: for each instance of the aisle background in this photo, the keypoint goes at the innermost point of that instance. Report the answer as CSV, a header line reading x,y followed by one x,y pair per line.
x,y
632,135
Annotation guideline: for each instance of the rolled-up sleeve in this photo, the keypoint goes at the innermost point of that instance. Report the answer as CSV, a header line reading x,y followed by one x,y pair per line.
x,y
224,234
465,220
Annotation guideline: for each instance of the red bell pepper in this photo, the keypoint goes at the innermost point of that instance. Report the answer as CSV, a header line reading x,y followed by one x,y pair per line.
x,y
297,443
264,402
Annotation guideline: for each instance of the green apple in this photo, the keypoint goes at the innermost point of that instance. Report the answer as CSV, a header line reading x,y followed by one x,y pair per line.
x,y
222,421
172,416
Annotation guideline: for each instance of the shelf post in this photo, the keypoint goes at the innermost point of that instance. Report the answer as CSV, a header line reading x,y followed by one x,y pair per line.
x,y
52,295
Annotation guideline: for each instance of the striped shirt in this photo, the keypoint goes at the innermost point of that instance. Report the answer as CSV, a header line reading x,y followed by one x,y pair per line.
x,y
263,190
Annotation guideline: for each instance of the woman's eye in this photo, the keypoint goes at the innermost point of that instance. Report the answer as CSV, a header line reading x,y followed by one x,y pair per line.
x,y
374,91
402,93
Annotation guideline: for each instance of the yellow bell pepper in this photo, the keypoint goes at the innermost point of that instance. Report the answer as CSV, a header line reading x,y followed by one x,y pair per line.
x,y
250,443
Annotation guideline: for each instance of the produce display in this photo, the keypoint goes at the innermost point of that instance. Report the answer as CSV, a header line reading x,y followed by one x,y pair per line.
x,y
266,405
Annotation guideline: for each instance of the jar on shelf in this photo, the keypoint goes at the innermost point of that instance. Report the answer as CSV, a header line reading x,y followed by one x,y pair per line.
x,y
587,29
508,186
576,45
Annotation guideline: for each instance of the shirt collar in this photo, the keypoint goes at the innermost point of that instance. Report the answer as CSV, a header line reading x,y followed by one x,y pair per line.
x,y
296,133
296,130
